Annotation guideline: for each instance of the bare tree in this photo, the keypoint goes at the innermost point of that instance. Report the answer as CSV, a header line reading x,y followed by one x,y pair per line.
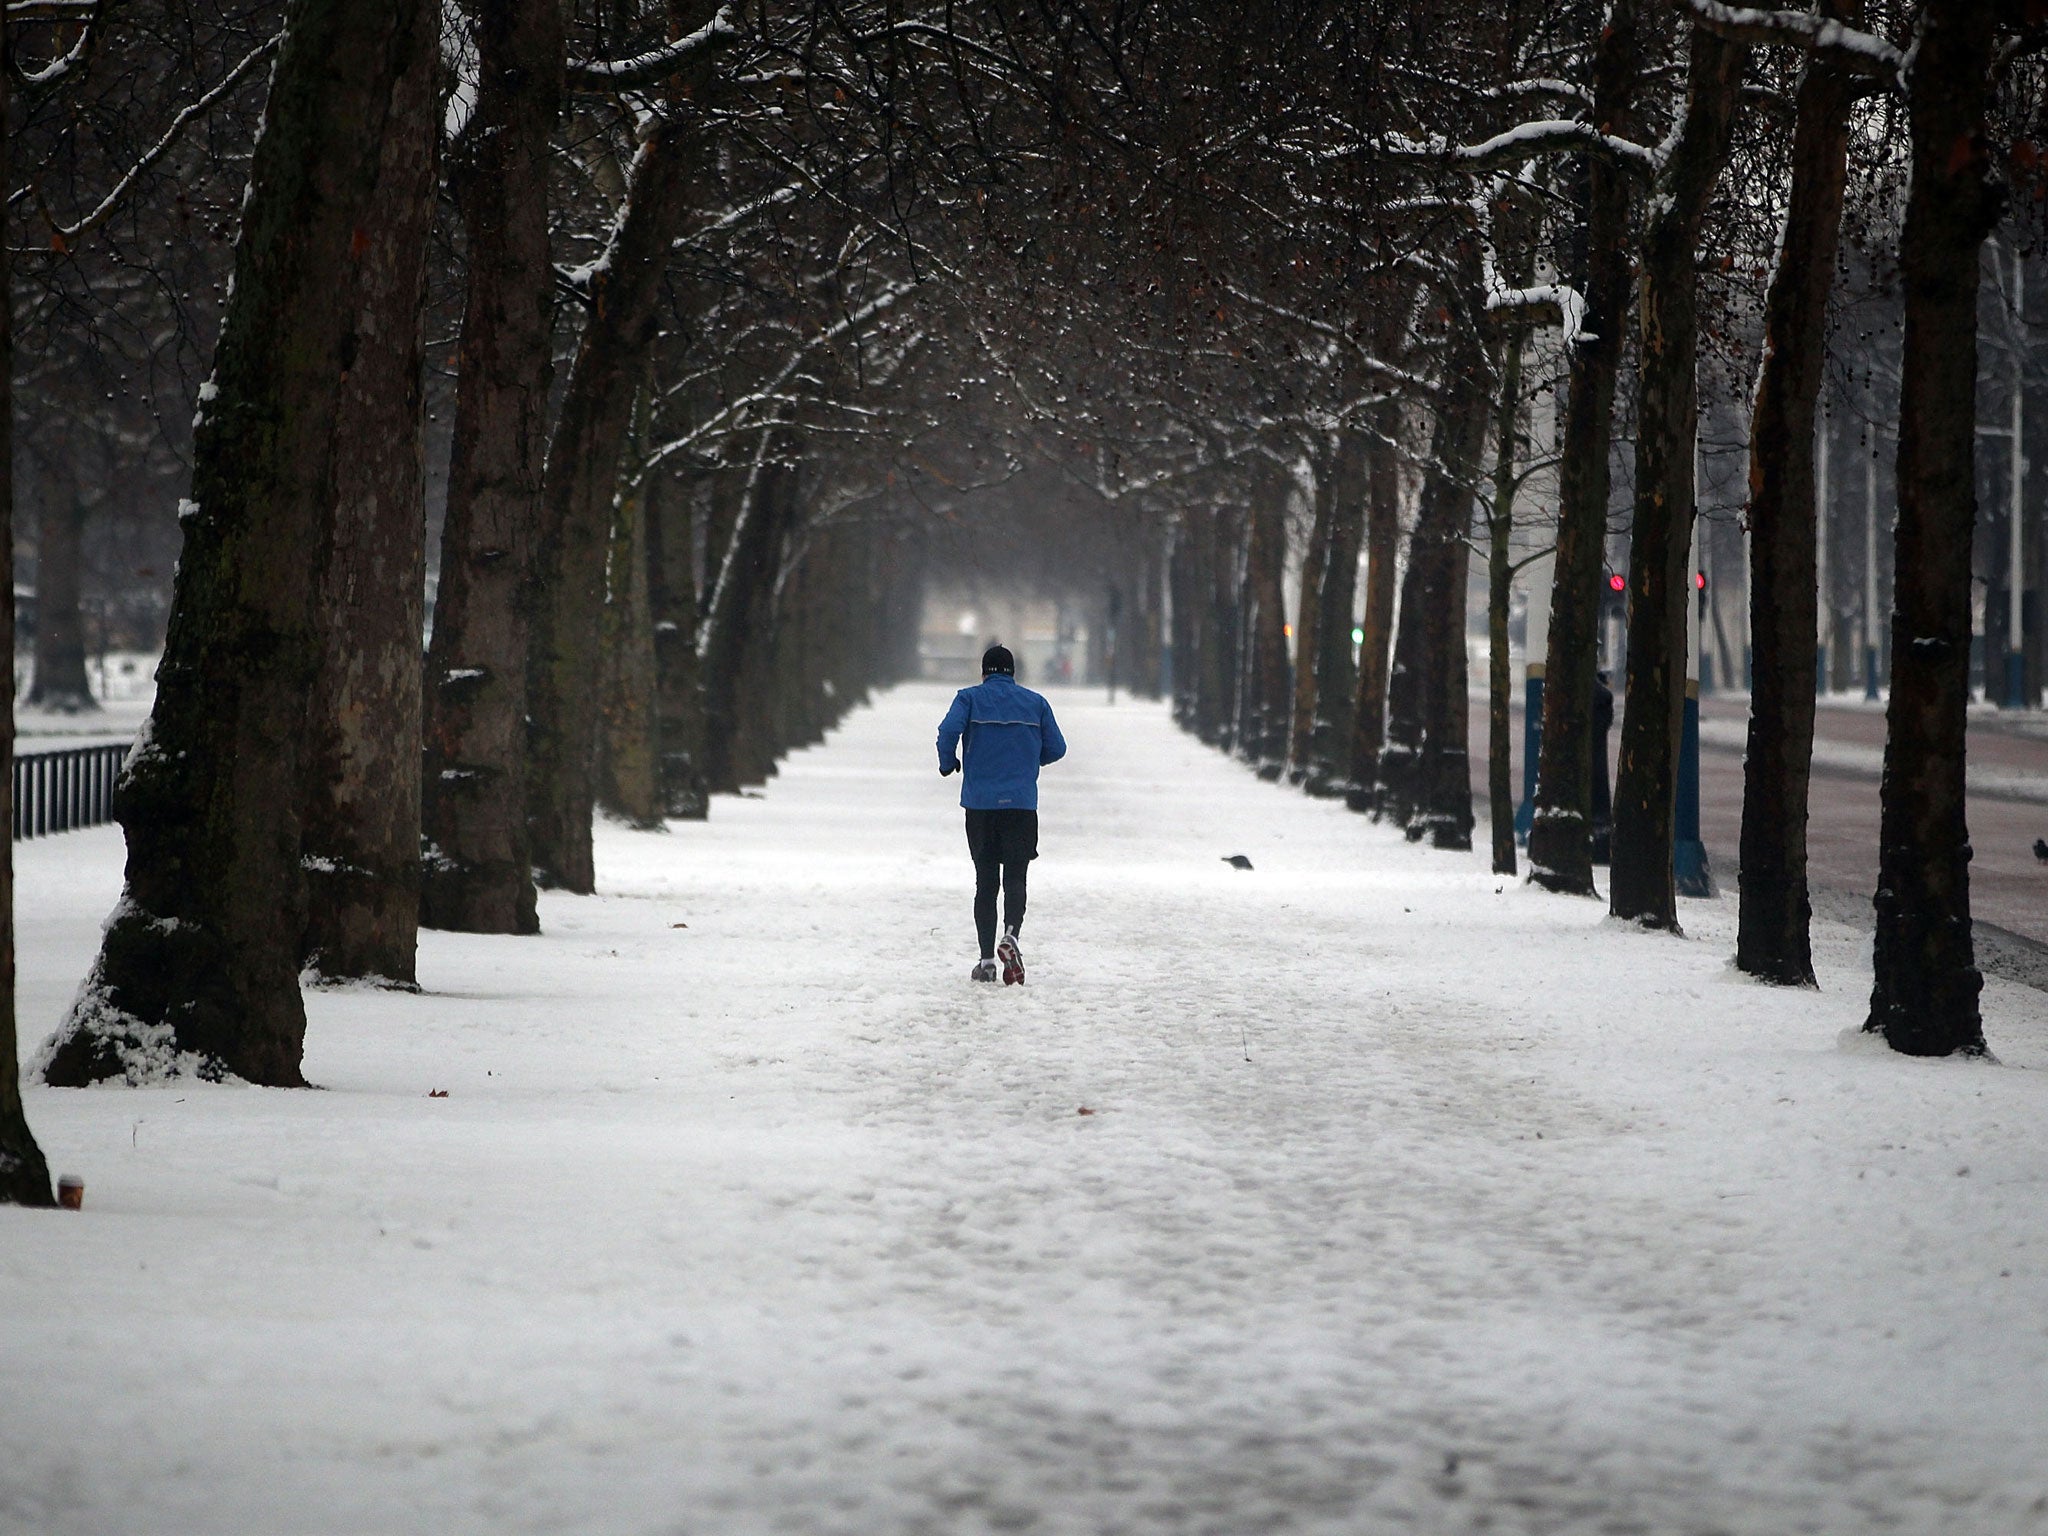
x,y
477,868
24,1175
1643,888
198,970
361,834
1924,1000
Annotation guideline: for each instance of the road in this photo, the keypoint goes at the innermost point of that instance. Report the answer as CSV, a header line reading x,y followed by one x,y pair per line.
x,y
2008,758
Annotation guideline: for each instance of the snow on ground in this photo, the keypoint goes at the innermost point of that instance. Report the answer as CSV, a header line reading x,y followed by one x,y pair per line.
x,y
1410,1200
123,683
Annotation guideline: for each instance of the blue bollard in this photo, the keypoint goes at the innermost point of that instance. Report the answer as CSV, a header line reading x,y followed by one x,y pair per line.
x,y
1532,751
1688,854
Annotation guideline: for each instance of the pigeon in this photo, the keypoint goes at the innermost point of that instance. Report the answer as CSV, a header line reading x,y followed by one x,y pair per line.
x,y
1239,861
2041,849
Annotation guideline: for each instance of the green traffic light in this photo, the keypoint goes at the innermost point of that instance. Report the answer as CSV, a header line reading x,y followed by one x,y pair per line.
x,y
1357,635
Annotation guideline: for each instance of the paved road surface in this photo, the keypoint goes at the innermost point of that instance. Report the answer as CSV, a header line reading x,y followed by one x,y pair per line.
x,y
2008,885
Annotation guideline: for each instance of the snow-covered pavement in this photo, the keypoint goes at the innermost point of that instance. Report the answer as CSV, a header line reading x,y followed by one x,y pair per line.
x,y
1360,1192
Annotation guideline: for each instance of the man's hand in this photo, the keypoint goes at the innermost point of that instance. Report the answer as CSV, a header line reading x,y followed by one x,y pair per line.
x,y
948,769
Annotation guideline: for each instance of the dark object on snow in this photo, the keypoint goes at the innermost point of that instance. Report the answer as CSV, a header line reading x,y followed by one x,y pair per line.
x,y
1238,861
2041,849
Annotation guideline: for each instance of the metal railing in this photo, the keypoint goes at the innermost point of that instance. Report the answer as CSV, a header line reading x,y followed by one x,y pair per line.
x,y
56,791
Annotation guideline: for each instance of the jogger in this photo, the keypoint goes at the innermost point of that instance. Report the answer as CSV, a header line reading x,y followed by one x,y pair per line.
x,y
1007,733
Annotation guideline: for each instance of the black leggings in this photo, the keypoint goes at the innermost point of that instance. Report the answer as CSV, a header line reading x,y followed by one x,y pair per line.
x,y
1002,844
986,877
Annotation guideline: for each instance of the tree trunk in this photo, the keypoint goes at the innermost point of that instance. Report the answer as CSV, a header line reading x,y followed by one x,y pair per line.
x,y
1382,553
59,682
1216,622
1183,583
24,1175
1641,887
198,970
1308,618
1336,673
477,869
627,787
1560,836
1262,731
1500,581
1924,1001
672,606
1772,940
737,632
1443,787
577,493
361,833
1146,622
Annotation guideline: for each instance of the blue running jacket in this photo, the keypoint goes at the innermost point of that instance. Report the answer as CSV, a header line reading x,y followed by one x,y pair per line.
x,y
1008,732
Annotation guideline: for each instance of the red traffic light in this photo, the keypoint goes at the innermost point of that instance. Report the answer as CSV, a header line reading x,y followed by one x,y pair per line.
x,y
1617,582
1699,580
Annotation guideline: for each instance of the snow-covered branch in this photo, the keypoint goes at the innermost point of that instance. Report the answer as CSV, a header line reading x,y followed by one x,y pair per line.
x,y
653,66
86,20
1529,141
770,389
191,114
1859,52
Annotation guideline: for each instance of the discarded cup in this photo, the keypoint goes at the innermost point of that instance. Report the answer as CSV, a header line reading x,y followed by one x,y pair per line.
x,y
71,1192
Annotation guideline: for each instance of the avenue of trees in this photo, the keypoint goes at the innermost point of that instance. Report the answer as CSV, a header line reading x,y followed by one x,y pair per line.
x,y
562,406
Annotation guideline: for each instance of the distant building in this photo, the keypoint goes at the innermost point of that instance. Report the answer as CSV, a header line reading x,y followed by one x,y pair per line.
x,y
960,623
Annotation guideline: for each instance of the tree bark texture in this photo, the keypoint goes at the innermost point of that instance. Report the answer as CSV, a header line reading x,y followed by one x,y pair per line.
x,y
1924,1001
24,1173
1308,619
361,832
59,681
577,493
1336,674
1560,835
1382,557
1641,885
1772,935
198,970
1265,694
476,864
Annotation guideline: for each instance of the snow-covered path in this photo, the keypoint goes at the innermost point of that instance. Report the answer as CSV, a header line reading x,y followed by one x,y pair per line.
x,y
1403,1200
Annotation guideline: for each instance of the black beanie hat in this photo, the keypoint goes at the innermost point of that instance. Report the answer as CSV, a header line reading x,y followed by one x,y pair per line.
x,y
997,658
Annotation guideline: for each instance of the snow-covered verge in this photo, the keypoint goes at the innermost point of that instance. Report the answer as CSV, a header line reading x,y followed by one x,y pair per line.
x,y
124,683
1409,1199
